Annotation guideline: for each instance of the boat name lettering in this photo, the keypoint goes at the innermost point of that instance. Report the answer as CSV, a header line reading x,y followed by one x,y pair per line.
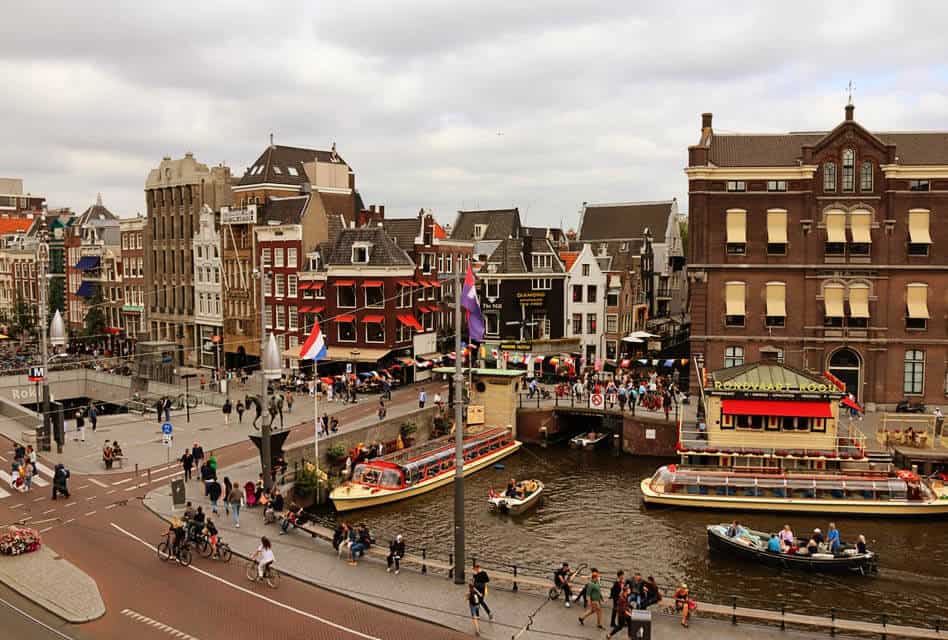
x,y
756,386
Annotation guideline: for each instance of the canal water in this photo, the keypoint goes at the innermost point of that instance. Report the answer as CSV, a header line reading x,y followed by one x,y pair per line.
x,y
593,514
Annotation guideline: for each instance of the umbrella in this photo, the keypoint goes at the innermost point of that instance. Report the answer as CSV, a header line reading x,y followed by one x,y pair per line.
x,y
365,374
632,338
641,334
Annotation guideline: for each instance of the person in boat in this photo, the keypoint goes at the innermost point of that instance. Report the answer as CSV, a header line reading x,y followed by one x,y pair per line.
x,y
818,536
774,545
786,537
735,530
812,546
861,544
511,491
832,538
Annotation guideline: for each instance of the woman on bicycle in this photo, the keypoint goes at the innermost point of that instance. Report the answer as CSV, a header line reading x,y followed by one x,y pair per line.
x,y
176,532
264,557
211,532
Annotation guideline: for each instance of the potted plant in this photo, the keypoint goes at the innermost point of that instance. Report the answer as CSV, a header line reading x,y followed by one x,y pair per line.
x,y
406,431
307,480
337,453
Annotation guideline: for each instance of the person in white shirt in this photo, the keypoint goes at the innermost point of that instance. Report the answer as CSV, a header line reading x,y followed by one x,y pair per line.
x,y
264,556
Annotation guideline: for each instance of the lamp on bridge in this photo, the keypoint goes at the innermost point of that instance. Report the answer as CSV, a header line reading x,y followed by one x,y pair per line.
x,y
272,364
57,330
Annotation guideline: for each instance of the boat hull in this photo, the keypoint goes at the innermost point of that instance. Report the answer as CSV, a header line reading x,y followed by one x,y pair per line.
x,y
516,507
719,542
349,498
874,508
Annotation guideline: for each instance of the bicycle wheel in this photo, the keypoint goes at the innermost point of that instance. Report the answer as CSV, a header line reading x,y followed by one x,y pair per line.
x,y
184,556
224,552
164,551
554,593
252,571
272,577
203,547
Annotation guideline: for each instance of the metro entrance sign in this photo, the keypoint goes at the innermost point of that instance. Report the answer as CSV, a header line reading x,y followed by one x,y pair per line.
x,y
595,400
167,437
37,374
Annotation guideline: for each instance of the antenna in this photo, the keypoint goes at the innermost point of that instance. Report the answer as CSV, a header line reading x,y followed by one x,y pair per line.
x,y
271,138
849,89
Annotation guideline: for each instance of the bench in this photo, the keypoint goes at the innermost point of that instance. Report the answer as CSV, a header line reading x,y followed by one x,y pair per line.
x,y
117,461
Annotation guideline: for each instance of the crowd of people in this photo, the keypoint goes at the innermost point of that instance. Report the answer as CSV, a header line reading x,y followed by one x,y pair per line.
x,y
23,468
625,390
785,541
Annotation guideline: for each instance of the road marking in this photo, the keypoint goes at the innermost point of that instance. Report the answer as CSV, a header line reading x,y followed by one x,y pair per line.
x,y
70,520
91,513
48,511
85,486
17,506
46,520
45,530
70,504
115,484
259,596
111,506
134,615
4,494
35,621
90,498
166,477
137,486
100,484
108,493
40,482
42,468
38,499
2,458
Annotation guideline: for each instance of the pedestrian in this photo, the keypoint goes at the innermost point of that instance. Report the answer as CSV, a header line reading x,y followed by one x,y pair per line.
x,y
381,409
228,485
474,603
437,401
289,401
422,398
324,422
28,472
480,580
683,603
60,478
159,408
240,412
334,424
198,453
80,427
107,455
396,551
214,493
167,407
233,500
594,593
93,416
226,409
203,382
614,594
31,456
212,463
620,609
187,461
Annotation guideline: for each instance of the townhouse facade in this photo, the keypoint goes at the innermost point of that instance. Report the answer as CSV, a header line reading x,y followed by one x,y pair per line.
x,y
93,255
823,250
585,301
208,290
132,320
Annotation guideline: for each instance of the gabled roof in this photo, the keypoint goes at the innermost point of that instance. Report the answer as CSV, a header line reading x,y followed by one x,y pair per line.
x,y
403,230
277,165
15,225
95,212
767,373
384,252
625,220
501,224
284,210
569,258
512,256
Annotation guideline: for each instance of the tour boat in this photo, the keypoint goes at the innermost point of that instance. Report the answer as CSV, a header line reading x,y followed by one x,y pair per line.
x,y
419,469
902,493
533,494
589,440
752,545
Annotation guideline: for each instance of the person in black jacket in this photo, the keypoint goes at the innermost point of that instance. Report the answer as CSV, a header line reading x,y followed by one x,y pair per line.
x,y
614,593
481,579
396,551
214,493
60,476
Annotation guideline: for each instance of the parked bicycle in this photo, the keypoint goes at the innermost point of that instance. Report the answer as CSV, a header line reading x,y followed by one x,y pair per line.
x,y
182,553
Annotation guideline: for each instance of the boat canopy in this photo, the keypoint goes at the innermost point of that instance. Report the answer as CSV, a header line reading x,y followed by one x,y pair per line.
x,y
672,477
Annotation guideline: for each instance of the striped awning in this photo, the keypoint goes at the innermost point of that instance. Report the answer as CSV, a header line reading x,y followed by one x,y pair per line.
x,y
86,289
87,263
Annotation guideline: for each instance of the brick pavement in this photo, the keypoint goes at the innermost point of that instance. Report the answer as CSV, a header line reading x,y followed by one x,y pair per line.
x,y
54,583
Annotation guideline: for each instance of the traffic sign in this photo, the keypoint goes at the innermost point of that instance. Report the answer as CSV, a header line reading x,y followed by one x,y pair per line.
x,y
167,428
37,374
595,400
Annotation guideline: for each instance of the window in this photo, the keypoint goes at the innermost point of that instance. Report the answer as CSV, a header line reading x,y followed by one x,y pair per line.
x,y
280,285
267,285
835,233
734,295
919,234
291,286
860,228
916,297
268,314
777,232
585,270
736,223
591,323
346,331
542,261
492,323
577,324
542,284
374,331
217,302
858,305
611,349
541,327
479,231
403,334
776,185
913,382
833,294
736,185
776,304
320,291
266,257
590,293
404,296
829,176
449,263
281,316
918,185
577,293
612,298
291,257
360,254
276,169
733,357
429,321
374,296
849,169
278,257
427,262
493,288
440,263
293,171
612,323
865,176
346,296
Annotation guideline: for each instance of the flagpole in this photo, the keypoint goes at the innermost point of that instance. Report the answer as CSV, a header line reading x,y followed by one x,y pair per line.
x,y
316,421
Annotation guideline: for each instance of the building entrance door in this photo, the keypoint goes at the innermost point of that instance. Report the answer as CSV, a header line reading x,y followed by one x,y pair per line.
x,y
846,365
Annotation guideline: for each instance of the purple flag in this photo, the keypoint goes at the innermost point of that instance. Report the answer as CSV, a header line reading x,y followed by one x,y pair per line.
x,y
475,319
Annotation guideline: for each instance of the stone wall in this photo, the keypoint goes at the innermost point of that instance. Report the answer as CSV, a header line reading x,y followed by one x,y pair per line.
x,y
640,436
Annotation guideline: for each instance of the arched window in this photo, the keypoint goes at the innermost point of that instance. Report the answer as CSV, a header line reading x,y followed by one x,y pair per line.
x,y
733,356
849,170
914,380
829,176
865,176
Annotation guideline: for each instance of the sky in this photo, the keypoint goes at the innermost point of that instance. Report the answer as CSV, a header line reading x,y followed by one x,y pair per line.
x,y
447,105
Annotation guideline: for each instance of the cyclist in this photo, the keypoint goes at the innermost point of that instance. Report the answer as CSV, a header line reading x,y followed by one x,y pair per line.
x,y
176,532
211,532
561,580
264,557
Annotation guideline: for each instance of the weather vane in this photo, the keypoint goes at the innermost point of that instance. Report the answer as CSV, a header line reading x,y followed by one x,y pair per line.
x,y
850,87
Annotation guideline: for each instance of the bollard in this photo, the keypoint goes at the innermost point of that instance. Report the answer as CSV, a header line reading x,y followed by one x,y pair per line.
x,y
538,399
450,565
424,557
833,621
521,400
885,620
149,475
733,609
543,437
616,444
515,588
136,473
937,625
783,622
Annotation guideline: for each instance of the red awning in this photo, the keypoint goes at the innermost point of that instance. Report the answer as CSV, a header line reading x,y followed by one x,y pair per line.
x,y
424,283
849,402
346,318
313,308
374,318
373,283
435,283
788,408
306,285
344,283
424,308
408,283
114,331
410,321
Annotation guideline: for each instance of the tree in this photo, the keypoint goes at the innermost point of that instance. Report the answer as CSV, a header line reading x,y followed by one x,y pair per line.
x,y
23,316
95,316
56,297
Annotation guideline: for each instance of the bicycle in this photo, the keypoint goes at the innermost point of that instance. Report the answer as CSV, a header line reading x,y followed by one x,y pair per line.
x,y
223,549
183,554
271,576
554,592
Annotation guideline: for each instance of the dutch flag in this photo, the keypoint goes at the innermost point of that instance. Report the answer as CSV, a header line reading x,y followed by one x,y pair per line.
x,y
315,346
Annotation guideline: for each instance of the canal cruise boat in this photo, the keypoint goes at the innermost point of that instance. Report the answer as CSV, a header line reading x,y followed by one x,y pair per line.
x,y
419,469
771,441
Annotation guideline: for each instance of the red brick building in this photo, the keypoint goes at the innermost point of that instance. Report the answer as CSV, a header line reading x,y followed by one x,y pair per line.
x,y
825,250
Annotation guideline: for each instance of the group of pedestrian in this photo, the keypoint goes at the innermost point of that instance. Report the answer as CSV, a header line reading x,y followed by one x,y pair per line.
x,y
477,596
328,424
163,409
111,451
628,595
23,468
354,541
93,414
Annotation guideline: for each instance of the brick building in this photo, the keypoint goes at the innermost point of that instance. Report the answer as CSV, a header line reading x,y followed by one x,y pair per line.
x,y
825,251
16,204
133,278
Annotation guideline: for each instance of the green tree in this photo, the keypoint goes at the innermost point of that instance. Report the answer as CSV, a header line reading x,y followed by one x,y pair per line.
x,y
95,316
56,296
23,316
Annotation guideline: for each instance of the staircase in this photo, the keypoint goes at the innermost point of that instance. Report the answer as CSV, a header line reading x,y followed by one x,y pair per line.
x,y
879,458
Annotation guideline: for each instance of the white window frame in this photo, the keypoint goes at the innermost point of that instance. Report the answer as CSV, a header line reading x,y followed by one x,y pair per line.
x,y
355,332
292,286
612,323
359,247
280,285
292,318
278,257
496,316
355,298
542,261
266,257
291,257
495,283
366,332
541,284
365,296
280,316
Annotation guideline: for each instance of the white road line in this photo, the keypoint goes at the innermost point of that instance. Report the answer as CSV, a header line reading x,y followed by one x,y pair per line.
x,y
70,520
45,530
70,504
16,506
111,506
91,513
253,594
85,486
138,486
117,483
2,458
100,484
40,482
42,468
5,494
166,477
38,499
134,615
48,511
90,498
108,493
45,520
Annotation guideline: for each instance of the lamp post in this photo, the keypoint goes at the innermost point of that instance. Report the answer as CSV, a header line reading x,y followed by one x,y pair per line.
x,y
459,555
42,264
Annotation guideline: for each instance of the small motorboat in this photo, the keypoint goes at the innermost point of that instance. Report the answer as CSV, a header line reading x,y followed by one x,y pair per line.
x,y
531,492
752,545
589,440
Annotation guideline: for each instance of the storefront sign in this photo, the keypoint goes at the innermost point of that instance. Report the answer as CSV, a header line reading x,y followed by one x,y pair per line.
x,y
475,414
239,216
516,346
754,386
531,298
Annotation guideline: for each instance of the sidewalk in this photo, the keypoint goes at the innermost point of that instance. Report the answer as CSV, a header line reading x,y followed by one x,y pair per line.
x,y
53,583
431,597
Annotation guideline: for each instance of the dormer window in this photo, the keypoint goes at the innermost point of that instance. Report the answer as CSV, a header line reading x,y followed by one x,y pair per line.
x,y
479,231
865,176
360,253
849,170
293,171
542,261
276,170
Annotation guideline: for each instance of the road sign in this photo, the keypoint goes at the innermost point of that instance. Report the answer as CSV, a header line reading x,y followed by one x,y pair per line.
x,y
167,428
37,374
595,401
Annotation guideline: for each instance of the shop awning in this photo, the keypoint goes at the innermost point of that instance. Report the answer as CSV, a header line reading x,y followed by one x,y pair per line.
x,y
424,308
86,290
777,299
786,408
345,318
835,226
858,301
364,355
312,308
113,331
410,321
373,318
408,283
373,283
344,283
860,226
918,223
87,263
917,298
734,298
736,226
306,285
434,283
833,301
777,226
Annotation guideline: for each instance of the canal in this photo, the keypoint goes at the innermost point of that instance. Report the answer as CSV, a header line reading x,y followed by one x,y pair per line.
x,y
593,514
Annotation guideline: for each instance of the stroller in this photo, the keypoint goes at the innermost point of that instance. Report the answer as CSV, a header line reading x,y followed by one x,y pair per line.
x,y
250,494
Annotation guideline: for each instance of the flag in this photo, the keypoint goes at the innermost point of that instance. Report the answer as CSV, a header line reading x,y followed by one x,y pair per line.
x,y
315,346
475,319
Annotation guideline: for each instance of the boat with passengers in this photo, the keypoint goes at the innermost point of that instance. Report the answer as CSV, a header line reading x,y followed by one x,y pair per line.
x,y
770,439
416,470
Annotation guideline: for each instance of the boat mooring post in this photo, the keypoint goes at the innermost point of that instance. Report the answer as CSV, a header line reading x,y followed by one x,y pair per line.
x,y
616,444
543,436
458,437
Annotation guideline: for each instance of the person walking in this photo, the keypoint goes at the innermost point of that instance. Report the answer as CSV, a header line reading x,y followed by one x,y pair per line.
x,y
480,580
594,593
159,408
614,593
422,398
80,427
474,604
226,409
396,551
233,500
620,610
212,463
382,410
289,401
167,408
214,493
197,452
240,412
60,478
228,485
93,416
187,461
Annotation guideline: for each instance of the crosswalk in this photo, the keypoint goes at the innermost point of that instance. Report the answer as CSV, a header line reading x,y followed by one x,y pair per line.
x,y
42,479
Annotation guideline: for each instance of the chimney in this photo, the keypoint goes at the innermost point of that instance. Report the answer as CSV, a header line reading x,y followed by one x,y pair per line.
x,y
706,122
849,111
381,211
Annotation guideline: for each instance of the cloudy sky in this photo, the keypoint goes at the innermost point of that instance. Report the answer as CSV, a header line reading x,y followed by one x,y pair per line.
x,y
441,105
